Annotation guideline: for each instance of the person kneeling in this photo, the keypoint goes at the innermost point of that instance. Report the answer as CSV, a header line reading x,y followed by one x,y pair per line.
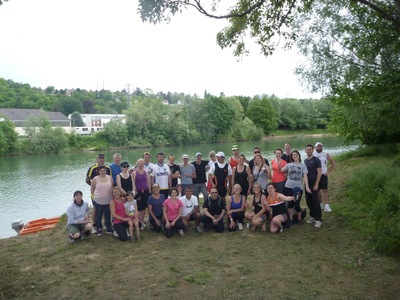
x,y
214,208
190,209
79,223
172,211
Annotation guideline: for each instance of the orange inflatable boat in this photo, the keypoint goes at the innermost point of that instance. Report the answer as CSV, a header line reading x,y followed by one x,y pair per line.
x,y
39,225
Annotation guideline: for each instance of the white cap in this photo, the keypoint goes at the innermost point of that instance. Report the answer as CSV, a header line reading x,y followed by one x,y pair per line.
x,y
318,143
220,154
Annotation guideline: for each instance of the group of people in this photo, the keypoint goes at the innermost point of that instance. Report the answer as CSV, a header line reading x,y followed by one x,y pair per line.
x,y
261,192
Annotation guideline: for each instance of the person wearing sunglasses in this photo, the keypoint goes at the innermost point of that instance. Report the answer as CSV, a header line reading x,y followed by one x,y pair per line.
x,y
257,151
124,179
214,208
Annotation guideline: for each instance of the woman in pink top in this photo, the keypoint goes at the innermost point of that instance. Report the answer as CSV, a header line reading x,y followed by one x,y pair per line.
x,y
101,187
278,177
120,218
172,211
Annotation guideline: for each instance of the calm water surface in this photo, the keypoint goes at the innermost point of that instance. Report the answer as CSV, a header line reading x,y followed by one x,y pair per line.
x,y
33,187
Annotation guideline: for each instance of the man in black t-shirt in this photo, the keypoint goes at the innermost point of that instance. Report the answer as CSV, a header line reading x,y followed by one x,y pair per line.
x,y
313,165
214,208
175,171
199,183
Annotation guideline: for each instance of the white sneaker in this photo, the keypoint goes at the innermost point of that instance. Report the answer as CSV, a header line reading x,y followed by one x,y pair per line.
x,y
181,232
327,209
94,230
198,229
310,220
322,205
240,226
318,224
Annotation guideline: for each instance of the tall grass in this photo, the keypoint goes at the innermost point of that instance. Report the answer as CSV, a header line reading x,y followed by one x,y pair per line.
x,y
374,199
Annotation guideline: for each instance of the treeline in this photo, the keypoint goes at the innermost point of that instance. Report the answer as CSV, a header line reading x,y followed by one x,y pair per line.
x,y
156,119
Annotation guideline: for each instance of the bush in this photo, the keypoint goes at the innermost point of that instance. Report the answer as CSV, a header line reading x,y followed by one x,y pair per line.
x,y
49,140
374,195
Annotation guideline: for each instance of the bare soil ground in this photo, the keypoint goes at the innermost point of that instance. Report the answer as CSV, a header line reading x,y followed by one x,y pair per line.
x,y
303,262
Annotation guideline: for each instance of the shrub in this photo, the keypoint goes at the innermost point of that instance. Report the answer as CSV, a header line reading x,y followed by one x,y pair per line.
x,y
374,195
49,140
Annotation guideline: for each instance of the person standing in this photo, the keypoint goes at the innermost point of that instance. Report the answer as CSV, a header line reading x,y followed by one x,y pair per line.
x,y
286,156
278,176
187,171
101,188
256,151
261,172
313,165
116,167
142,187
324,157
214,208
199,183
90,175
241,175
234,159
174,168
124,179
221,174
148,166
161,174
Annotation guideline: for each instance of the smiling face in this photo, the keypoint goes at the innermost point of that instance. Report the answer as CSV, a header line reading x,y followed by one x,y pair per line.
x,y
160,158
116,193
237,189
309,151
78,198
270,189
214,193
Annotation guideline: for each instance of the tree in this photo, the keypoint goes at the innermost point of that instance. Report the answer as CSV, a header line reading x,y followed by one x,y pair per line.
x,y
33,124
8,136
260,19
261,112
76,119
354,55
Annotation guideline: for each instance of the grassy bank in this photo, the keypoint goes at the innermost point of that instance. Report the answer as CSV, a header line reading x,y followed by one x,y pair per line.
x,y
334,262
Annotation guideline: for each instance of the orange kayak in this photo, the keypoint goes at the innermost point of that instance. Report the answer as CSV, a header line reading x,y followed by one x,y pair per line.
x,y
39,225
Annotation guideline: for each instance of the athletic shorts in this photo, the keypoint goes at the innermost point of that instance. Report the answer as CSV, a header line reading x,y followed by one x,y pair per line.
x,y
323,183
75,228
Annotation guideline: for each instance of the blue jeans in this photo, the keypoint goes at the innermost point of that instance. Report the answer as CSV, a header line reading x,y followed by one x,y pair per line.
x,y
100,209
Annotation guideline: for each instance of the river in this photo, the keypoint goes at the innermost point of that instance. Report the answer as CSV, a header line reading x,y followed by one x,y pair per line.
x,y
41,186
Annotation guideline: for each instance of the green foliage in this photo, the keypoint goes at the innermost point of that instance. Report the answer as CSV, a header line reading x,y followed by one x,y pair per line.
x,y
76,119
75,141
115,132
8,136
261,112
49,140
354,53
375,198
34,124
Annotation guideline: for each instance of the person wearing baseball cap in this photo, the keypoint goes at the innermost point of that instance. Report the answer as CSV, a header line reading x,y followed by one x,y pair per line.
x,y
233,160
220,174
199,183
325,158
187,173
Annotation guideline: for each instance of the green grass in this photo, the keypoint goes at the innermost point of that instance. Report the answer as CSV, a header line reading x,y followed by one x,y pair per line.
x,y
333,262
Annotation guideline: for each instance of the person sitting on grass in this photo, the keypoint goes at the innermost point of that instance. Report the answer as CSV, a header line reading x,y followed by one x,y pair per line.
x,y
172,211
258,216
190,209
131,211
79,222
277,208
214,208
236,207
120,219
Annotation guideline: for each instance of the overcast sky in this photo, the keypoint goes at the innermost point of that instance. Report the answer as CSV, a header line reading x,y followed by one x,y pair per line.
x,y
93,44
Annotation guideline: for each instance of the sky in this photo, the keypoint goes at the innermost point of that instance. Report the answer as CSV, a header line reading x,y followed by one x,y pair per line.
x,y
96,44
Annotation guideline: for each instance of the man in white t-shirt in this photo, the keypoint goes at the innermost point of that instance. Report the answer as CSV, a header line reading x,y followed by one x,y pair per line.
x,y
220,175
190,209
324,157
161,174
